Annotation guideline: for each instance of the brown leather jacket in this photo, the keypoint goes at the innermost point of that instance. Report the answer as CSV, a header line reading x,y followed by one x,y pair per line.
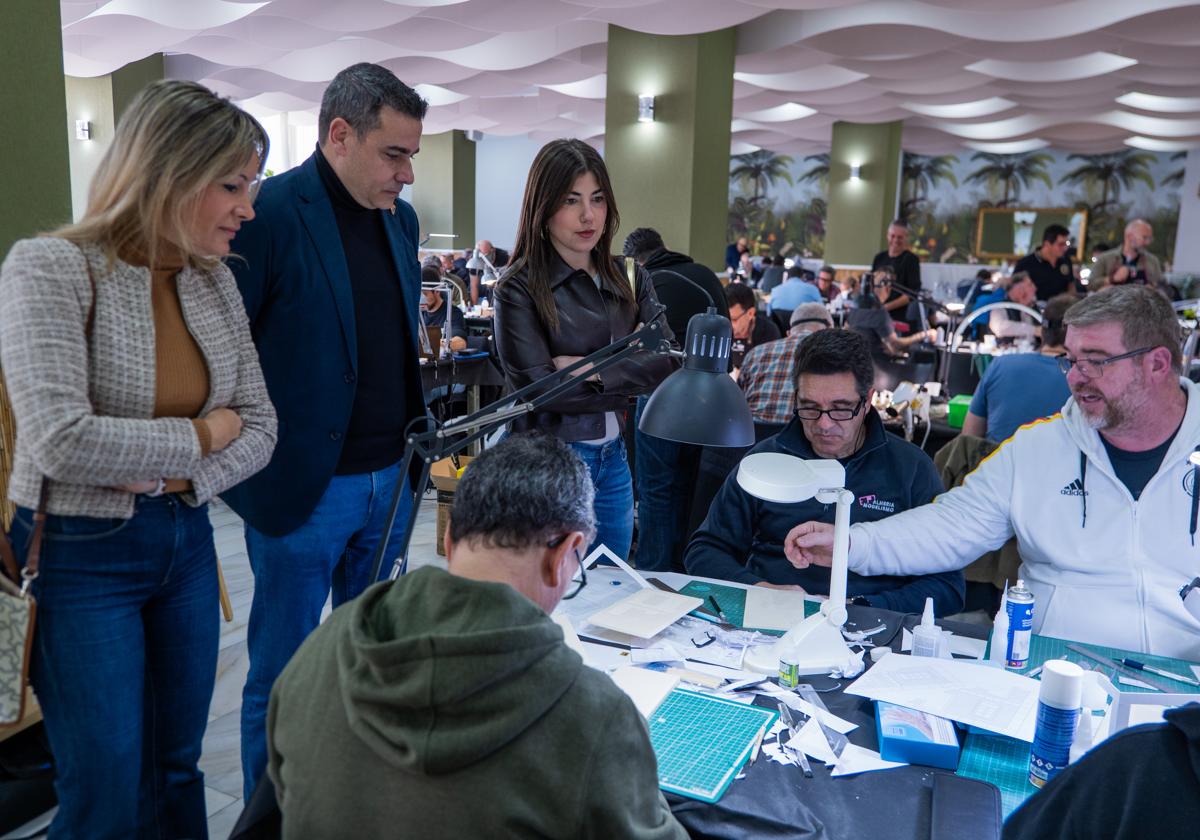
x,y
589,319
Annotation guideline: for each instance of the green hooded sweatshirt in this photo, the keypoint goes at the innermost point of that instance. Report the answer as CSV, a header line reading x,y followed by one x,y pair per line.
x,y
436,706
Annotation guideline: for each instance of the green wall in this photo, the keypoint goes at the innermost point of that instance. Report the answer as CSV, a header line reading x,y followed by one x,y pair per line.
x,y
671,174
128,81
34,170
444,190
860,210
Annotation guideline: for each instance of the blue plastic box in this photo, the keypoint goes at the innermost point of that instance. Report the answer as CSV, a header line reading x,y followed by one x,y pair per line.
x,y
916,737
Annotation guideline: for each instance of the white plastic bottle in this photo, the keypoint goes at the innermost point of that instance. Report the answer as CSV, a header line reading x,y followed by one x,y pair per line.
x,y
926,635
998,651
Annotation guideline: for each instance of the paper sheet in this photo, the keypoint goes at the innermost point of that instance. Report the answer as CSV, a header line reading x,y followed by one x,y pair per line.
x,y
856,759
645,613
812,740
773,609
1195,670
646,688
965,646
604,657
666,652
1136,683
974,694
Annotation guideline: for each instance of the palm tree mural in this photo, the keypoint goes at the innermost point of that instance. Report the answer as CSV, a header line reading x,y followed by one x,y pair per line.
x,y
819,171
1175,179
920,174
1012,172
1110,172
761,169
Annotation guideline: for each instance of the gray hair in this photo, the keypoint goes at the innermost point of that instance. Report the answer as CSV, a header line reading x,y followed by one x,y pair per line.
x,y
357,94
523,492
1135,222
805,316
1146,318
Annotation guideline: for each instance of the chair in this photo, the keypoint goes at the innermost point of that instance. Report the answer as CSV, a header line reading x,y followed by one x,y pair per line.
x,y
782,319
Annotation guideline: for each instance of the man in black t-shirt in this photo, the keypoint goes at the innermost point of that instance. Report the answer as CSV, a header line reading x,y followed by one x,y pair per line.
x,y
906,268
1049,266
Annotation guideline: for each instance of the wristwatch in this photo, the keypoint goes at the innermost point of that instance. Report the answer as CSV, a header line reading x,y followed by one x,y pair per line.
x,y
858,601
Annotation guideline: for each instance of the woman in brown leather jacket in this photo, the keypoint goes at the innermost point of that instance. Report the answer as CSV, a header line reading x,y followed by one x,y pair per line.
x,y
565,296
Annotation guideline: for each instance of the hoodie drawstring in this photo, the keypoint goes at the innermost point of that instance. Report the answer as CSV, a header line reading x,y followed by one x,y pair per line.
x,y
1083,488
1195,497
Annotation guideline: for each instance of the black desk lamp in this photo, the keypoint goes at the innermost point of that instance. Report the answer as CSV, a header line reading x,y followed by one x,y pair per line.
x,y
697,404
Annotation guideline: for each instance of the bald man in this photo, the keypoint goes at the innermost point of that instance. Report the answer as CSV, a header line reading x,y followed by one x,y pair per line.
x,y
1131,263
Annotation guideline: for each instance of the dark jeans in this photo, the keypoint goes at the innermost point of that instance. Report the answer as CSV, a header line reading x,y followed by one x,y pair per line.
x,y
334,550
124,661
608,464
666,477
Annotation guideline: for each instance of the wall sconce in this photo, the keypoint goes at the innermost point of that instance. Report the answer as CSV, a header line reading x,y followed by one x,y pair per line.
x,y
855,171
83,130
645,108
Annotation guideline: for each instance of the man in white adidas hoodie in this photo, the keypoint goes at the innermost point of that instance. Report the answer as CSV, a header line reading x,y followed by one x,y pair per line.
x,y
1102,497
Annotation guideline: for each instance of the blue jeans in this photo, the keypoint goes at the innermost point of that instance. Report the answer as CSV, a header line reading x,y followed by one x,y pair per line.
x,y
294,574
666,477
124,661
608,464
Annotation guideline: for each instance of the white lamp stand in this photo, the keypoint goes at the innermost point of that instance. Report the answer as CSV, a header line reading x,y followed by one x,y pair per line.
x,y
815,643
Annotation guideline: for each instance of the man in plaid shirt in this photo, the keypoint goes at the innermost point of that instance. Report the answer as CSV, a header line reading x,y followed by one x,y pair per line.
x,y
768,372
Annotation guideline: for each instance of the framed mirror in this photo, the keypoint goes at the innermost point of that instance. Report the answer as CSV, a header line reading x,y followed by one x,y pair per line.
x,y
1005,233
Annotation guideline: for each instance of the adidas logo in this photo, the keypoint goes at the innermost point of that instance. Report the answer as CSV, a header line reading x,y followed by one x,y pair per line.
x,y
1075,488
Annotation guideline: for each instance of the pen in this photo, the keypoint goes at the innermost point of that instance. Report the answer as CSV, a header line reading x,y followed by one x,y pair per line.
x,y
1142,666
717,607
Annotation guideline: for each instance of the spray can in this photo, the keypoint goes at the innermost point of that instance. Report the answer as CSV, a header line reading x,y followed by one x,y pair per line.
x,y
1020,625
1057,716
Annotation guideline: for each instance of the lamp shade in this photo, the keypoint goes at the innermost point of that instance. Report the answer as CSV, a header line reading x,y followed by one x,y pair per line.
x,y
476,263
700,403
786,479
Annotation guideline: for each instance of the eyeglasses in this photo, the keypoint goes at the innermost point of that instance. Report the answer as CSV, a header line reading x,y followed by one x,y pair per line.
x,y
579,580
839,414
1094,368
745,312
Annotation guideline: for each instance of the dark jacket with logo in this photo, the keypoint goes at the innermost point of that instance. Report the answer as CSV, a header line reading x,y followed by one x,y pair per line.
x,y
742,537
588,320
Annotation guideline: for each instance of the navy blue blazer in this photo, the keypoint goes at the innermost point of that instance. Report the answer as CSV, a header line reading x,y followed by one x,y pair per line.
x,y
291,270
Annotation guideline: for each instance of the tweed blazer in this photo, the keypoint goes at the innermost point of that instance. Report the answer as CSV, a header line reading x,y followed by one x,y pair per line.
x,y
85,408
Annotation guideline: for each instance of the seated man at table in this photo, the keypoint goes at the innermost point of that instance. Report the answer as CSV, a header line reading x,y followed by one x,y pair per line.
x,y
1019,388
435,313
1143,782
742,538
768,376
1012,324
749,330
446,704
873,322
1102,498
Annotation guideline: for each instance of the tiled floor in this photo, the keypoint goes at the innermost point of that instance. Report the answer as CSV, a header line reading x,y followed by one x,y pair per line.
x,y
221,761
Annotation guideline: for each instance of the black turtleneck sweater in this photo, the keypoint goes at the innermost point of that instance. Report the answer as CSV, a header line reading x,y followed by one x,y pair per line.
x,y
375,435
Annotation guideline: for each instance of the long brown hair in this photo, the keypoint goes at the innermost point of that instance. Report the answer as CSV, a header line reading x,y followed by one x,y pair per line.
x,y
173,140
554,172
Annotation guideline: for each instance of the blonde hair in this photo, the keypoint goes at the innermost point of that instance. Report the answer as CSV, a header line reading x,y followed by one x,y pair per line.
x,y
173,141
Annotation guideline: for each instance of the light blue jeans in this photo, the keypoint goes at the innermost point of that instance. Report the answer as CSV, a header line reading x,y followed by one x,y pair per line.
x,y
294,574
608,464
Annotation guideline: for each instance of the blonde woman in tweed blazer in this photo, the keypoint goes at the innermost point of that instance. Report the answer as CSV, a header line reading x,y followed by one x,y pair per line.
x,y
138,397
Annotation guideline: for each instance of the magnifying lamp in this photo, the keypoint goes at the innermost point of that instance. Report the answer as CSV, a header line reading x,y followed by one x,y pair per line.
x,y
815,643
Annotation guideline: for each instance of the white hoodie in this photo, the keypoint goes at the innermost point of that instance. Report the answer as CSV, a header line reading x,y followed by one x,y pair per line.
x,y
1113,580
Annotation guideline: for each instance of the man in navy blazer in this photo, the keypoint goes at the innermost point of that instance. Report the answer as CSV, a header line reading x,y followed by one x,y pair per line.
x,y
329,274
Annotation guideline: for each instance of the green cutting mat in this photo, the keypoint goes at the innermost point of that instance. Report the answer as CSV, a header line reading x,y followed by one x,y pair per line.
x,y
1005,761
702,741
733,602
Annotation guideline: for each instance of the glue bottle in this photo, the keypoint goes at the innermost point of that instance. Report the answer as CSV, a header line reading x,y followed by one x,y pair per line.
x,y
998,651
1057,716
926,635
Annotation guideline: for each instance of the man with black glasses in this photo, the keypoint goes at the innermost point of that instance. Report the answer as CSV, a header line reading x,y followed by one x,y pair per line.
x,y
742,539
447,704
1103,498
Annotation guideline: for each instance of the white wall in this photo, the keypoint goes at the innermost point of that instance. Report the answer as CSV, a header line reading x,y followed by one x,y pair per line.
x,y
501,167
87,99
1187,239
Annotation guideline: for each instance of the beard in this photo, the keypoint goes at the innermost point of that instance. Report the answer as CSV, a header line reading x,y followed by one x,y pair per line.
x,y
1118,411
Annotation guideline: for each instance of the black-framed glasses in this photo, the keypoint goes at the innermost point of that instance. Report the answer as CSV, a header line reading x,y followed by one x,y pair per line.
x,y
1094,368
579,580
839,414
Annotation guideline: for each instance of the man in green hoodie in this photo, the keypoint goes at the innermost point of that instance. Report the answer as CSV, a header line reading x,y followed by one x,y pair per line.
x,y
448,705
